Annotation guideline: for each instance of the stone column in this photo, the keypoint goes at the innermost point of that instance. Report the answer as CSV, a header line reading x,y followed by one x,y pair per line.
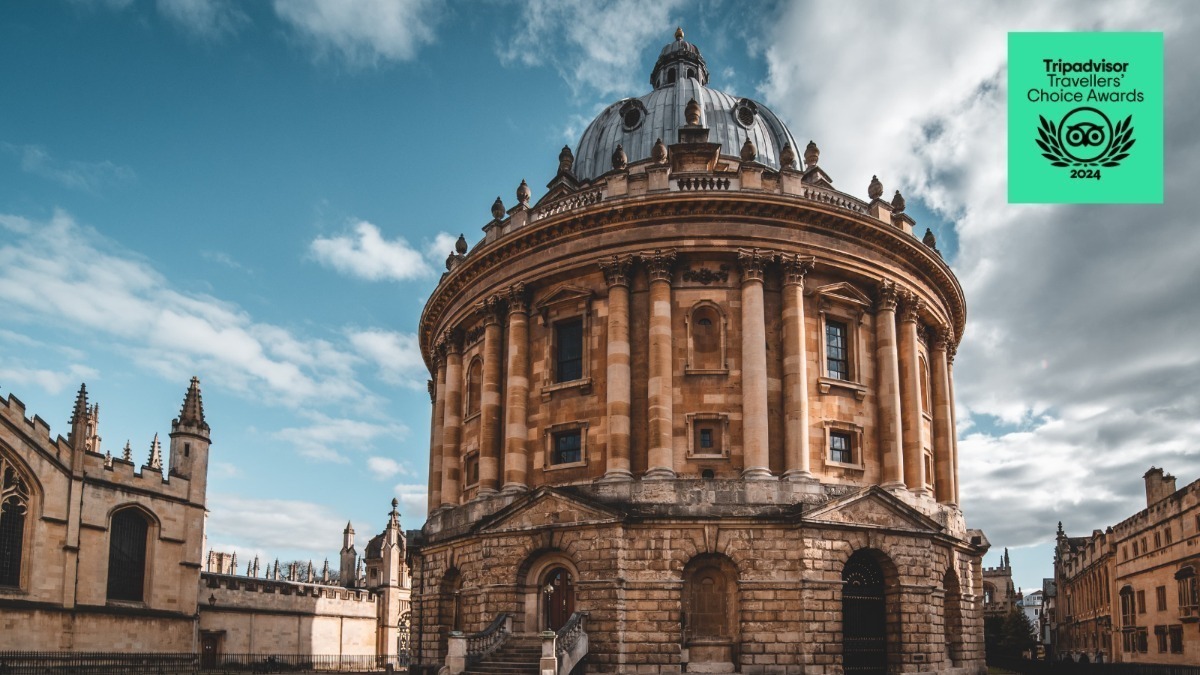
x,y
943,426
891,450
910,394
438,393
452,428
797,453
516,424
491,309
616,273
660,385
951,350
754,367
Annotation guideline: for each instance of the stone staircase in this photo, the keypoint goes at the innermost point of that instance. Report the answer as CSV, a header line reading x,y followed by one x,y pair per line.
x,y
520,655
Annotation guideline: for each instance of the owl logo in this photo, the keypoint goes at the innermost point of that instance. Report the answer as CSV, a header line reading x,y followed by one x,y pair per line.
x,y
1085,137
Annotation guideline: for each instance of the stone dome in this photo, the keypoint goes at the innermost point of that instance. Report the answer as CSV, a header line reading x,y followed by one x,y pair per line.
x,y
680,75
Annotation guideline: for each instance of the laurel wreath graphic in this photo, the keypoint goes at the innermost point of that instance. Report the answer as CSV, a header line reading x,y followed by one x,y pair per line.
x,y
1117,150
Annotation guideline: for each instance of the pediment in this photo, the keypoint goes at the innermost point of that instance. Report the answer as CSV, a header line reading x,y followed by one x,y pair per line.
x,y
844,293
873,507
565,296
546,508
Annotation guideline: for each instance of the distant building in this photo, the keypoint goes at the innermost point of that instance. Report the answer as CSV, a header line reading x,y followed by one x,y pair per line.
x,y
1046,626
1131,593
97,556
999,595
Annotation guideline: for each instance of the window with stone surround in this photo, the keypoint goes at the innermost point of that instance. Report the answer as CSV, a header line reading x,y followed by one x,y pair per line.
x,y
841,308
707,435
1176,637
1128,618
14,509
1141,602
844,445
1160,637
471,468
1160,594
566,445
568,348
128,535
565,315
1189,592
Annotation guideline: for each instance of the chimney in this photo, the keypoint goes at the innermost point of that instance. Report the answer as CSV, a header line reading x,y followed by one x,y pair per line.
x,y
1159,485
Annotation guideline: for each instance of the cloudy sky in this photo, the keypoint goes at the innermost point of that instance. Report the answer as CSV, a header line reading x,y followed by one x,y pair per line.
x,y
262,194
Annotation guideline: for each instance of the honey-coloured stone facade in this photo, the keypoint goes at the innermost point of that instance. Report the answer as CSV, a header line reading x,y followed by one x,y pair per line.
x,y
706,401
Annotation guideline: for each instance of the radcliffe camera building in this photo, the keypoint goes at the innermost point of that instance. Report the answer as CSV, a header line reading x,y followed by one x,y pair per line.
x,y
693,412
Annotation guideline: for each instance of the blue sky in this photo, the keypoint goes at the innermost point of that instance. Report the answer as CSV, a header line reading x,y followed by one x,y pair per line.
x,y
263,194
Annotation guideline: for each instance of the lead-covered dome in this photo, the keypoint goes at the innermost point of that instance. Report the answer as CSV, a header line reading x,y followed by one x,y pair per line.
x,y
680,75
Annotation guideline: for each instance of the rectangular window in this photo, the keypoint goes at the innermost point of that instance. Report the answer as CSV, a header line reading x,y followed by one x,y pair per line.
x,y
1167,534
1157,540
1160,638
568,447
1125,552
1161,593
1141,599
837,351
1143,640
840,448
568,337
1144,546
471,468
706,439
1176,634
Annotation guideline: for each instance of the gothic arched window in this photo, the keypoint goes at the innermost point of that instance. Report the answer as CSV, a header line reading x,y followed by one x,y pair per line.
x,y
14,505
127,539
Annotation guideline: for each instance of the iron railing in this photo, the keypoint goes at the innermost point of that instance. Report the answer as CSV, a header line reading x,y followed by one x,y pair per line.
x,y
1069,667
105,663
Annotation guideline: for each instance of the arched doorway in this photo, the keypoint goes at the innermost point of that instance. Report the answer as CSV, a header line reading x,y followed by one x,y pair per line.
x,y
952,625
558,597
710,616
864,616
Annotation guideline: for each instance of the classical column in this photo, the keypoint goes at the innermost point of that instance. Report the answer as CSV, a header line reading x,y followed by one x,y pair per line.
x,y
797,454
516,425
438,393
452,428
754,366
491,310
660,386
951,350
891,449
616,273
910,394
943,426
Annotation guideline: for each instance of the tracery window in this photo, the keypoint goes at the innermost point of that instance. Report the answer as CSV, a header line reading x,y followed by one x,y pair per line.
x,y
14,505
127,536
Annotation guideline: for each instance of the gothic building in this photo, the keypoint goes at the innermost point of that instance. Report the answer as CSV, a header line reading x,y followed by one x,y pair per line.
x,y
1000,596
692,411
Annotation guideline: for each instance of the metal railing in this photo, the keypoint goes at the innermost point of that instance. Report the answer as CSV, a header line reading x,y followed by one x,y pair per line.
x,y
1069,667
104,663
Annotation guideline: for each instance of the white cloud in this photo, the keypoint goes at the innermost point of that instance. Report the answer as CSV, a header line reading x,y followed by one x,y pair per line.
x,y
364,253
1081,329
92,286
396,356
386,467
364,32
414,501
205,18
328,438
593,44
273,524
50,381
439,248
86,176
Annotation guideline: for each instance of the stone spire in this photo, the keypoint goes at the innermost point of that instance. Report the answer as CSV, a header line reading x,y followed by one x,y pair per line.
x,y
127,452
155,463
192,412
79,419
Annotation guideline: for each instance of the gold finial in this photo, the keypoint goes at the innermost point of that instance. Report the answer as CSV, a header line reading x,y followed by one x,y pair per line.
x,y
679,33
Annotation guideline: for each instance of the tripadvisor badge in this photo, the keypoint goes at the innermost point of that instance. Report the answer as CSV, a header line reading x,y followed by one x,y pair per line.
x,y
1073,99
1085,138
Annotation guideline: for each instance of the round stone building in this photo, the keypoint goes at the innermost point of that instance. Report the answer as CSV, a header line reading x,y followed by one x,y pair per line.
x,y
692,412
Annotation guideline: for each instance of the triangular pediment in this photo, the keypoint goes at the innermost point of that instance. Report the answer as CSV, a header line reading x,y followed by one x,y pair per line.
x,y
565,294
873,507
545,508
843,292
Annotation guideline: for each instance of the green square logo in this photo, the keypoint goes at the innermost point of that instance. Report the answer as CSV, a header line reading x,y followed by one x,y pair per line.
x,y
1085,118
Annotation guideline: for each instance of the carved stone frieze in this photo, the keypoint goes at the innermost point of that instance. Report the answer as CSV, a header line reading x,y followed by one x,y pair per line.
x,y
706,276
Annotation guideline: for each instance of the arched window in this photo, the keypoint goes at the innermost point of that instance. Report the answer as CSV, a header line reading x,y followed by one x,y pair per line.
x,y
706,338
711,622
1128,608
864,616
926,404
127,538
474,387
14,506
989,593
671,76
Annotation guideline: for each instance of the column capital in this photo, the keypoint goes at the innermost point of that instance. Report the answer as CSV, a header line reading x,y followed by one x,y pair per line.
x,y
911,306
432,387
452,339
795,268
518,299
752,261
616,269
888,296
659,264
951,350
490,309
942,337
